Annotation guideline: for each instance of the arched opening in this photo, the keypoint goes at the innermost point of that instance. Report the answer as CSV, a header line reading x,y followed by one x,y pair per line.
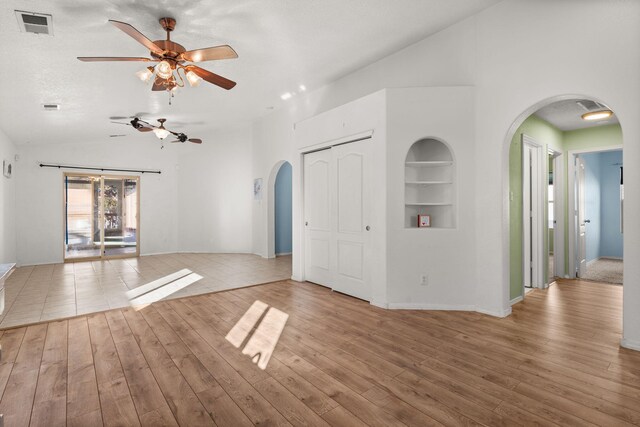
x,y
283,211
279,210
565,194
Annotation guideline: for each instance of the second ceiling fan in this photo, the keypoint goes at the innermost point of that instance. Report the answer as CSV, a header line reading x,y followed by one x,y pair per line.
x,y
171,58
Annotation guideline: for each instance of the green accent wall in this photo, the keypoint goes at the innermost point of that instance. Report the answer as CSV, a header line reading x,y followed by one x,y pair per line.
x,y
551,138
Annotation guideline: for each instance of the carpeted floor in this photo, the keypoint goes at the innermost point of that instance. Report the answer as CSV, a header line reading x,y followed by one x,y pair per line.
x,y
604,270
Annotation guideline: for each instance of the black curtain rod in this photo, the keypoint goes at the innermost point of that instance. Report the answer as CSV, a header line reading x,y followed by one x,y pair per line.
x,y
44,165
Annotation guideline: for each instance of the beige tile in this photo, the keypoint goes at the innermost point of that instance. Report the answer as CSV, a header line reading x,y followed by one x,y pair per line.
x,y
62,290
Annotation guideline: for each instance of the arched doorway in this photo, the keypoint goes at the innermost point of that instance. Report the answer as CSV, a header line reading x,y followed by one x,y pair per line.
x,y
553,230
279,209
283,211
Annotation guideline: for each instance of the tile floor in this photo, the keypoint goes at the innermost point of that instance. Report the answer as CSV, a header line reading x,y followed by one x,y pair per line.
x,y
54,291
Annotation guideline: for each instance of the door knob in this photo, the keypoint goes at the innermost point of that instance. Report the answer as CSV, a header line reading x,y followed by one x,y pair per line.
x,y
367,228
306,223
587,221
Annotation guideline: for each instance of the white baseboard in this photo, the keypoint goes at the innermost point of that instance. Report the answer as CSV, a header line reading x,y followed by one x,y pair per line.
x,y
633,345
516,300
157,253
297,278
423,306
379,304
283,254
494,313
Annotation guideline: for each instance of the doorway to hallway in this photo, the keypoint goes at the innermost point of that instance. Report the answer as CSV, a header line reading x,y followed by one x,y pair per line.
x,y
599,198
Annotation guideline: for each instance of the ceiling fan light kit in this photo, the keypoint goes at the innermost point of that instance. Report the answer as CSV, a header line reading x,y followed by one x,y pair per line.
x,y
160,131
171,58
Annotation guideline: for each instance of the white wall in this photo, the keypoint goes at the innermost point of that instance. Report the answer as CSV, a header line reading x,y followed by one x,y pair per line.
x,y
196,204
215,193
7,208
445,255
517,54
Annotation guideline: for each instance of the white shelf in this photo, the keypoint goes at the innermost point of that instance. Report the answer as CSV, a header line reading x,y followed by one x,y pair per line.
x,y
428,182
431,163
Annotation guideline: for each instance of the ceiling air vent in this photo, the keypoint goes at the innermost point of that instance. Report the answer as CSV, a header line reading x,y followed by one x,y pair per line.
x,y
37,23
589,105
51,107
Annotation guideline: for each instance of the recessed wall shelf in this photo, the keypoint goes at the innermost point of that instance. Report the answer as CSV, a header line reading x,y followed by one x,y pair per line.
x,y
428,204
427,164
430,184
427,182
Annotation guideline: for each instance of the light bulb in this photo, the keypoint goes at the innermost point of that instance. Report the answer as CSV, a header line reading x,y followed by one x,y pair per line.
x,y
164,70
145,75
597,115
161,133
193,78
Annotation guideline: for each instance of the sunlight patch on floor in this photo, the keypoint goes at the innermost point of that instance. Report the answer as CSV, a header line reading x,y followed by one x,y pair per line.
x,y
159,291
262,330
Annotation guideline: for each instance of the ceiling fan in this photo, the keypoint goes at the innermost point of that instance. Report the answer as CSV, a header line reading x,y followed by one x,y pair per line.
x,y
170,57
160,131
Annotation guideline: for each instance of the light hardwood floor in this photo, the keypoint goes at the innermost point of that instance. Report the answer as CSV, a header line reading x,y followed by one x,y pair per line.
x,y
339,361
55,291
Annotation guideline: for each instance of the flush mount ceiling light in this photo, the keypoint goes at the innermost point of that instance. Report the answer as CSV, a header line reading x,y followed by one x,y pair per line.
x,y
597,115
170,57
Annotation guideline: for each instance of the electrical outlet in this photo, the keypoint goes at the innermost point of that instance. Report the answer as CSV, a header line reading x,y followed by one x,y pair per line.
x,y
424,280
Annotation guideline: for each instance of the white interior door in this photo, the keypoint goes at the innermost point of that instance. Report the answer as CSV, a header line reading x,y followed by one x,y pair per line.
x,y
580,220
317,215
532,213
351,174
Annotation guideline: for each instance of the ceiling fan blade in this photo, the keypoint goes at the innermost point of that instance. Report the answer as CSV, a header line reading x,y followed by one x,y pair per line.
x,y
122,123
137,35
114,58
177,140
211,77
145,129
196,140
210,53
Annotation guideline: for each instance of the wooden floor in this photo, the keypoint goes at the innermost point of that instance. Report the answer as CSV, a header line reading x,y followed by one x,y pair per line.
x,y
339,361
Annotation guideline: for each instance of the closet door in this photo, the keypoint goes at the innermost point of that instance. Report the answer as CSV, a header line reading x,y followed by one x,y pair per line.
x,y
350,252
317,216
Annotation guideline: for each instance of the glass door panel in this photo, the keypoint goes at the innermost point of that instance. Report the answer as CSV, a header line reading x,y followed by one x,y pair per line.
x,y
120,216
101,216
82,231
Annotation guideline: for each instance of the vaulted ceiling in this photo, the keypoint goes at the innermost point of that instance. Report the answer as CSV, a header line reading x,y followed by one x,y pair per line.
x,y
281,45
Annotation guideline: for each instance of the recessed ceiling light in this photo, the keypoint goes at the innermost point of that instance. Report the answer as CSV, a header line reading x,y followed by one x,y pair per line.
x,y
597,115
302,88
286,96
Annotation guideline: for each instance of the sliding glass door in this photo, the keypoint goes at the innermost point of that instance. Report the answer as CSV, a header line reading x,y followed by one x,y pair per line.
x,y
101,216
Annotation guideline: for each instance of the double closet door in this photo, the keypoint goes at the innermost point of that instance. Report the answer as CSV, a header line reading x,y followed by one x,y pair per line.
x,y
337,196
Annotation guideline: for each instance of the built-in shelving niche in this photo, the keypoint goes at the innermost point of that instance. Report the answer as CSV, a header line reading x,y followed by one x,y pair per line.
x,y
430,185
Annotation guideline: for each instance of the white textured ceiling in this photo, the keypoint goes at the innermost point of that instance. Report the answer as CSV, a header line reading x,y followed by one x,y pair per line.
x,y
567,115
281,44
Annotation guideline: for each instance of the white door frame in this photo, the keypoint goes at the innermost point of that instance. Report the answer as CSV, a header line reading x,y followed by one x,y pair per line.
x,y
572,224
558,213
533,216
